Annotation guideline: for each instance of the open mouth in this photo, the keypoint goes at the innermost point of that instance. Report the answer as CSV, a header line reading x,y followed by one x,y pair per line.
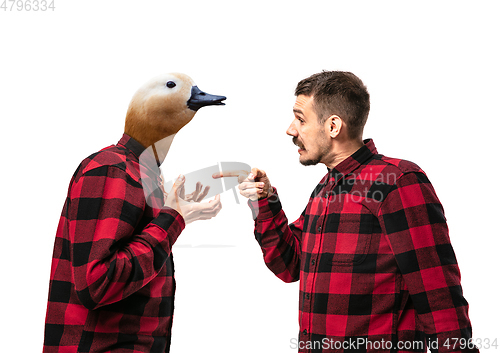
x,y
298,144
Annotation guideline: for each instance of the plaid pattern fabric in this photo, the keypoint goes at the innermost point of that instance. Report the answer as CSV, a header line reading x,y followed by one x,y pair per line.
x,y
112,279
371,250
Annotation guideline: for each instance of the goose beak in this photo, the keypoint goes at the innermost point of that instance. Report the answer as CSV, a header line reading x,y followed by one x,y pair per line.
x,y
200,99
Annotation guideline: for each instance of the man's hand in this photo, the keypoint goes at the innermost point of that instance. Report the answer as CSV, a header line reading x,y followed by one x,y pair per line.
x,y
189,206
254,185
195,195
172,199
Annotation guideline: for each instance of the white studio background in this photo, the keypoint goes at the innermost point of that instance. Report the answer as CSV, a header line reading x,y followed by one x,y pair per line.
x,y
66,77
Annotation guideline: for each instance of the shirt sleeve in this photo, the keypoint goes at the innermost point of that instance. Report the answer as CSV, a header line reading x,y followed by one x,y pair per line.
x,y
109,259
279,241
413,221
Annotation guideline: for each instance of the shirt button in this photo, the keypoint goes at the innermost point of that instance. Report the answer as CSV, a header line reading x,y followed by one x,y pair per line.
x,y
307,295
304,332
313,261
319,229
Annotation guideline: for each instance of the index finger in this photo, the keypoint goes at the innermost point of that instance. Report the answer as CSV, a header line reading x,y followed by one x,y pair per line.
x,y
228,173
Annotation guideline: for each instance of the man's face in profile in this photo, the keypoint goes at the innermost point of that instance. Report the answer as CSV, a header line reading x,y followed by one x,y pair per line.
x,y
308,134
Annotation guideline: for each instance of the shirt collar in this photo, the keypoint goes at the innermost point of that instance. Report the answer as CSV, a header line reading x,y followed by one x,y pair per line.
x,y
144,155
134,146
348,165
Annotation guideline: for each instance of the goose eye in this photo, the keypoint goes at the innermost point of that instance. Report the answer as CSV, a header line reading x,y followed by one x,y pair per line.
x,y
171,84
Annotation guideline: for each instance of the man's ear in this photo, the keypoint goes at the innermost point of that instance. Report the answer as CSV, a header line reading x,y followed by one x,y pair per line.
x,y
334,125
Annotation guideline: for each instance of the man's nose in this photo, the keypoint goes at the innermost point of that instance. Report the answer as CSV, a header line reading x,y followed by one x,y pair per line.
x,y
291,131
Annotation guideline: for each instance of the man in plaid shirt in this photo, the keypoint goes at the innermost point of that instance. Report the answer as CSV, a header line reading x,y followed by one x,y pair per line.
x,y
371,249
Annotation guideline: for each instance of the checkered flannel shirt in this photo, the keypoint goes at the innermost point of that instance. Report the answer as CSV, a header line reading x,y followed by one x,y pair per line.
x,y
374,260
112,279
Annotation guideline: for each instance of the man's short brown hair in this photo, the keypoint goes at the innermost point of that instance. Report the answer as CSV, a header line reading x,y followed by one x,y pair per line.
x,y
338,93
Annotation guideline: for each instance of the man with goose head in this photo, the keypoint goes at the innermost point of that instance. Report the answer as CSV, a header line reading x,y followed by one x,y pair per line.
x,y
112,280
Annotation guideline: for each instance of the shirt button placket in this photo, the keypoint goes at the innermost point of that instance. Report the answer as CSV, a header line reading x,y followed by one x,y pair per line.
x,y
314,260
304,338
304,322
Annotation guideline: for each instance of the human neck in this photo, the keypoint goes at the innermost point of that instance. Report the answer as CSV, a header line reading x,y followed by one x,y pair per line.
x,y
343,150
160,148
157,147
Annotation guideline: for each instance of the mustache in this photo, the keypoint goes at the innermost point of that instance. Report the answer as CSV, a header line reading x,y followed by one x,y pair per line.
x,y
296,142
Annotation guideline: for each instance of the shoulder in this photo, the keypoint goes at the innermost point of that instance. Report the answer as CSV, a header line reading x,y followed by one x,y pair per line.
x,y
392,169
384,175
401,164
114,158
405,178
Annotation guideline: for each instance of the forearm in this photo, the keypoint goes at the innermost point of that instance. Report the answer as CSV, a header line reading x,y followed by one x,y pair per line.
x,y
113,272
115,245
280,243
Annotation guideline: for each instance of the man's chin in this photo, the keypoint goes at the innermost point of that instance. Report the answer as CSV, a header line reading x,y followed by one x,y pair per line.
x,y
306,162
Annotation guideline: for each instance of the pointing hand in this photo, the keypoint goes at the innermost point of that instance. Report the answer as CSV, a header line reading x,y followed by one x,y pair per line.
x,y
254,185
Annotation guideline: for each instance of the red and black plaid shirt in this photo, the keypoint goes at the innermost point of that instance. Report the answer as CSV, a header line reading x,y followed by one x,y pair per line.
x,y
372,253
112,279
